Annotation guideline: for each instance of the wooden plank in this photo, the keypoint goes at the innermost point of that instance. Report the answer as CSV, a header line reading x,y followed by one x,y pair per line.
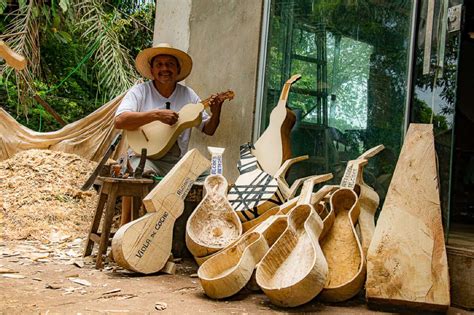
x,y
406,261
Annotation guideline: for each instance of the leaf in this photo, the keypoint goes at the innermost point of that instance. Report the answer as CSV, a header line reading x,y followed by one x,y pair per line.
x,y
64,4
3,5
66,36
21,3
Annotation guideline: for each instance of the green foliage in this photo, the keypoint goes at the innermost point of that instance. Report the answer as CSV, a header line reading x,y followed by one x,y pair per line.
x,y
72,78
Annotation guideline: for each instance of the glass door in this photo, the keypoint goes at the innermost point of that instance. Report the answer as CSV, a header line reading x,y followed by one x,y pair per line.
x,y
353,57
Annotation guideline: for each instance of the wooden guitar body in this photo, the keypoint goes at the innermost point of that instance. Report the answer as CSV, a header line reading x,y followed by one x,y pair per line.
x,y
368,198
342,249
294,270
213,224
144,245
274,145
158,137
228,271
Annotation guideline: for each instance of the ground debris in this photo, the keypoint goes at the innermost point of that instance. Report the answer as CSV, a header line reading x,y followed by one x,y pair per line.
x,y
160,306
80,281
112,291
12,276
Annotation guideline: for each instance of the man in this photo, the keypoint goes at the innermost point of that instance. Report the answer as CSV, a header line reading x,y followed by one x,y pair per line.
x,y
161,99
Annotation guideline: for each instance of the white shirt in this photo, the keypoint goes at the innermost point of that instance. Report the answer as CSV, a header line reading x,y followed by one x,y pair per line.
x,y
145,97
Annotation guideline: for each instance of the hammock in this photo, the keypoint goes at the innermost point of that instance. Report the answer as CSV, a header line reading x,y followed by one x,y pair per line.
x,y
88,137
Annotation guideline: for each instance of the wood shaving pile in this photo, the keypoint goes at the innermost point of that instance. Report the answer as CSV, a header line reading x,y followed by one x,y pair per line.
x,y
40,195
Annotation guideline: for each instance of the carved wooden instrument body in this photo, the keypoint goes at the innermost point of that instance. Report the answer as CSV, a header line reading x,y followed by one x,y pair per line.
x,y
368,198
226,272
406,261
158,137
144,245
342,249
294,270
274,145
213,224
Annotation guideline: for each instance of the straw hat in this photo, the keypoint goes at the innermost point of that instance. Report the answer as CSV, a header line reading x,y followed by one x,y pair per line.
x,y
143,60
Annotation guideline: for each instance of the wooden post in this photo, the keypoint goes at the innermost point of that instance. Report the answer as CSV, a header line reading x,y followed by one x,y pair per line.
x,y
49,109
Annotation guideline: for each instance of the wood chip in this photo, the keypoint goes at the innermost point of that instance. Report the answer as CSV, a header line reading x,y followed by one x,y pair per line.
x,y
7,270
80,281
52,286
41,193
12,276
160,306
193,275
112,291
79,263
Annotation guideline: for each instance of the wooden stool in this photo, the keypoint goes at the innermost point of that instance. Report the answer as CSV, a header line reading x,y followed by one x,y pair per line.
x,y
111,189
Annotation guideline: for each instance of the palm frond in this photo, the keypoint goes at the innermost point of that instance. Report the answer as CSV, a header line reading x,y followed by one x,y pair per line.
x,y
26,42
24,39
113,63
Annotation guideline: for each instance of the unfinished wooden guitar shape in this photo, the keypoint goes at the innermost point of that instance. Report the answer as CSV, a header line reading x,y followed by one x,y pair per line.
x,y
158,137
406,262
368,198
213,224
12,58
342,249
274,145
228,271
144,245
294,270
255,191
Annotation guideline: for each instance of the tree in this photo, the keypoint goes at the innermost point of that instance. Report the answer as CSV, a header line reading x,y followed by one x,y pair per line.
x,y
80,55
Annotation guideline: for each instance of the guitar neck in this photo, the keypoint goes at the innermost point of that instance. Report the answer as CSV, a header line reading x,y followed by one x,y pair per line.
x,y
224,96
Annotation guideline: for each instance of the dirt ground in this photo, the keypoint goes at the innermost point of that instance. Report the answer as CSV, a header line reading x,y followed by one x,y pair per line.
x,y
49,279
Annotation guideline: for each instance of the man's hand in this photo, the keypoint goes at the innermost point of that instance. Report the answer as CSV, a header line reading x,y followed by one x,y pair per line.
x,y
166,116
215,103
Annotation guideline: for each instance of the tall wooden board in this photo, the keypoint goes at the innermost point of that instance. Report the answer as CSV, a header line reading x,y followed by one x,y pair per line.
x,y
406,261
